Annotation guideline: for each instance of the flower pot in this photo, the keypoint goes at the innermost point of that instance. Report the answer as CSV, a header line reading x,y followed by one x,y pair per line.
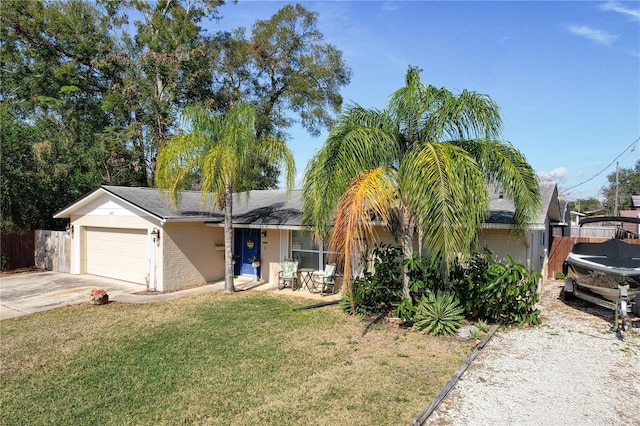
x,y
102,300
255,264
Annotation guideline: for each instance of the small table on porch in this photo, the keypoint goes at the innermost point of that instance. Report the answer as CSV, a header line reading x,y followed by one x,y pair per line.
x,y
305,277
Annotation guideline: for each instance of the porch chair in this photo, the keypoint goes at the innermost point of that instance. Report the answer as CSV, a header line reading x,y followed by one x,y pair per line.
x,y
288,274
325,280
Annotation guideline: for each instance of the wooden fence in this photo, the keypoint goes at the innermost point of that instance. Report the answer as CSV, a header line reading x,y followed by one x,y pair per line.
x,y
17,250
53,251
49,250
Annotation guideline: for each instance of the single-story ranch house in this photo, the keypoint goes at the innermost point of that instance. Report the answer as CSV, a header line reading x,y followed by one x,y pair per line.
x,y
135,234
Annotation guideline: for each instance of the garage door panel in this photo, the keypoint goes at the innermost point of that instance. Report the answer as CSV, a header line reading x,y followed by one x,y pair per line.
x,y
117,253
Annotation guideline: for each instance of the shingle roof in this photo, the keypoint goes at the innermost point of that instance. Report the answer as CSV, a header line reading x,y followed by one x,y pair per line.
x,y
260,207
502,208
274,208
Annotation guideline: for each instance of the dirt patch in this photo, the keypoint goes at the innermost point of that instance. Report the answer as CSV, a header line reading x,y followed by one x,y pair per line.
x,y
21,271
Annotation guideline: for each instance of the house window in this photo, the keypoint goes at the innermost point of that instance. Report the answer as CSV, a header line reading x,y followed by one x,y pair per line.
x,y
306,251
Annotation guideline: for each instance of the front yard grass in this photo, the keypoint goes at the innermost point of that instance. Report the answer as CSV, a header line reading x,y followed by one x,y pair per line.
x,y
214,359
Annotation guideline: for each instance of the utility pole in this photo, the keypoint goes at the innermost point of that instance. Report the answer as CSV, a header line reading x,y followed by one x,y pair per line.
x,y
615,209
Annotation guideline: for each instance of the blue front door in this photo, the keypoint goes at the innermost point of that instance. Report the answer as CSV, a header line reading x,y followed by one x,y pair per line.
x,y
246,246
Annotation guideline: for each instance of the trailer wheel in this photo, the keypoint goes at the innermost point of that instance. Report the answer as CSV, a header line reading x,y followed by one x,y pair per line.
x,y
567,291
636,305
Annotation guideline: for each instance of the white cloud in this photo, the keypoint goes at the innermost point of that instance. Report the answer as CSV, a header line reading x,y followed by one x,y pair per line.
x,y
554,175
615,6
389,6
599,36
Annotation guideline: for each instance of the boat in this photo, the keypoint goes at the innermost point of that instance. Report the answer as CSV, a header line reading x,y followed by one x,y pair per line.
x,y
606,273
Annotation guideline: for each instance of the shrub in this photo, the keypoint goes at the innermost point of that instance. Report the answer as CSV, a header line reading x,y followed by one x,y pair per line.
x,y
482,325
485,289
496,292
475,333
424,277
376,292
439,313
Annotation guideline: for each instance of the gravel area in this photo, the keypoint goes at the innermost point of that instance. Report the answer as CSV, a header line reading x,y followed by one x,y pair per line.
x,y
571,370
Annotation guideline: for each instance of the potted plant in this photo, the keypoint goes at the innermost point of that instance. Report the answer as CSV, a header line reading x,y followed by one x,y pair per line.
x,y
98,296
255,261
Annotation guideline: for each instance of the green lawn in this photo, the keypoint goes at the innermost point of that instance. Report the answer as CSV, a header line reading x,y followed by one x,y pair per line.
x,y
214,359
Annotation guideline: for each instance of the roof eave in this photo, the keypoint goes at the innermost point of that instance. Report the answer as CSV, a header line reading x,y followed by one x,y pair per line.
x,y
67,211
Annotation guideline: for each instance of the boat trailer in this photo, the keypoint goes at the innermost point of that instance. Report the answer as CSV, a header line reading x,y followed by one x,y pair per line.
x,y
620,306
606,296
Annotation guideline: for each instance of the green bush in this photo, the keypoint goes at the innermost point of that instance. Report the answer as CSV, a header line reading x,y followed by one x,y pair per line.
x,y
376,292
496,292
424,275
439,313
486,289
424,278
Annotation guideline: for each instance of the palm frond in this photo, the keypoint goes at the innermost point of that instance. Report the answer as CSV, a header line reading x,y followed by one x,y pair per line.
x,y
358,141
506,169
369,198
178,159
278,153
446,193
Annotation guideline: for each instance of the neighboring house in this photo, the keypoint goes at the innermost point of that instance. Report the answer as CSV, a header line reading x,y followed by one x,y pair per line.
x,y
135,234
634,212
575,219
530,249
565,229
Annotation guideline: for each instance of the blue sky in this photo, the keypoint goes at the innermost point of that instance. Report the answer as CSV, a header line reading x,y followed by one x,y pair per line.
x,y
566,75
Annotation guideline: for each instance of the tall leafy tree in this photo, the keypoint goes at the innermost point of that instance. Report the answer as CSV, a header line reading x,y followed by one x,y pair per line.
x,y
50,92
622,187
92,89
219,149
424,163
158,69
284,68
586,205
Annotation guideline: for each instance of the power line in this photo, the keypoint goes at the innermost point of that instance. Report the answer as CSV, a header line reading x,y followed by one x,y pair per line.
x,y
609,165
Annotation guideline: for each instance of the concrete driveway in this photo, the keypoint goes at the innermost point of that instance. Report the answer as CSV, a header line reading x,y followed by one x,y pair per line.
x,y
28,293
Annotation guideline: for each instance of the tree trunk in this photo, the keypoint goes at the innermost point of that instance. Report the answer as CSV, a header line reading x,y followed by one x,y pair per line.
x,y
228,247
407,225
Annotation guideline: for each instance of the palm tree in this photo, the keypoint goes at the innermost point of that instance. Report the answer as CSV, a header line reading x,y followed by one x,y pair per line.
x,y
424,163
218,150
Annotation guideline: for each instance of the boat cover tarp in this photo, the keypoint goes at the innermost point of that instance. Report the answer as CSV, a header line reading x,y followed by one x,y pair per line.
x,y
609,248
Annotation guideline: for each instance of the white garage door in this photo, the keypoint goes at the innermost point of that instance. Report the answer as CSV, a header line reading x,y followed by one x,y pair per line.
x,y
118,253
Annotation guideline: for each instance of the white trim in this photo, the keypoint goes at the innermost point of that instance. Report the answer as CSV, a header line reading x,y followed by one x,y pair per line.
x,y
265,227
285,242
532,227
201,219
76,249
65,213
151,284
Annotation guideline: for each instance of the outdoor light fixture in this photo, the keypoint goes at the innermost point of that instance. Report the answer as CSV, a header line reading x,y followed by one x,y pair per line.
x,y
69,230
264,233
155,233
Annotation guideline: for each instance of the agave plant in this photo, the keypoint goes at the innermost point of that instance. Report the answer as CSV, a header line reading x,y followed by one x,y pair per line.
x,y
439,313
